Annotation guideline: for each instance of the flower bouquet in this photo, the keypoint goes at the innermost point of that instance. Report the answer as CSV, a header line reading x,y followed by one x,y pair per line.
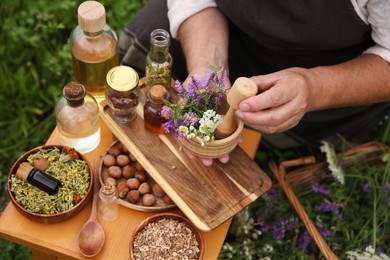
x,y
195,117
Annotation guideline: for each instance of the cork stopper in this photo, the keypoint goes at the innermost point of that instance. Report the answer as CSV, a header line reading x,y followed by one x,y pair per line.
x,y
24,170
91,16
157,92
74,93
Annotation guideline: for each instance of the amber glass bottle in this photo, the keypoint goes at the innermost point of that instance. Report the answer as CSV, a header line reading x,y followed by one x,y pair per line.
x,y
152,108
93,47
159,60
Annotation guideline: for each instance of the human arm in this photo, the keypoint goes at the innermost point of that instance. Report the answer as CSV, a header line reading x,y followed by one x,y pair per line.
x,y
285,96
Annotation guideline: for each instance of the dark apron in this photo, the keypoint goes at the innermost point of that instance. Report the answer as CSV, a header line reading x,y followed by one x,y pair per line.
x,y
270,35
267,36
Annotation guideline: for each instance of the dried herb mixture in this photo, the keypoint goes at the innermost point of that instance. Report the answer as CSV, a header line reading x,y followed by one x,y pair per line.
x,y
71,171
166,239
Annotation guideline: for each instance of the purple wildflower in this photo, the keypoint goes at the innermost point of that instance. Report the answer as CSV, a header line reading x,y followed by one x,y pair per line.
x,y
266,228
190,119
278,232
386,188
305,239
329,207
379,250
318,189
167,112
179,87
209,77
365,188
326,232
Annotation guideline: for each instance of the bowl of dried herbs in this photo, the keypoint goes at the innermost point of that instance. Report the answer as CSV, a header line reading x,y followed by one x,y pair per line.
x,y
166,236
67,167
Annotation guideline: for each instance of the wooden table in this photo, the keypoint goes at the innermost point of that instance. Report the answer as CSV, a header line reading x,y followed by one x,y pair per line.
x,y
59,241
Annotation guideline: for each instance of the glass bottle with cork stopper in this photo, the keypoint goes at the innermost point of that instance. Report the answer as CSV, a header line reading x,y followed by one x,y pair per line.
x,y
152,108
159,60
77,116
122,94
108,206
93,47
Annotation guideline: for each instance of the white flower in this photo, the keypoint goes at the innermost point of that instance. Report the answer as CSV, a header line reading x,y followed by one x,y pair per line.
x,y
331,158
368,253
268,248
183,129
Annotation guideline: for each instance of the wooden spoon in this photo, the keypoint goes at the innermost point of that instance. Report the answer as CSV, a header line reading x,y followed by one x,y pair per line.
x,y
242,88
91,236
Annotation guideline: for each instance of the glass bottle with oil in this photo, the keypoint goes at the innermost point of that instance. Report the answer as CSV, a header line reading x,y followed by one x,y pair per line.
x,y
77,116
93,47
159,60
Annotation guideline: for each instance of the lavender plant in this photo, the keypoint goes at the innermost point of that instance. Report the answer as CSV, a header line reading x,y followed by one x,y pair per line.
x,y
353,218
195,116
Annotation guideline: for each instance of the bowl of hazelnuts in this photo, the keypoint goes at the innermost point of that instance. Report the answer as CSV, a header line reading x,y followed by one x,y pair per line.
x,y
135,188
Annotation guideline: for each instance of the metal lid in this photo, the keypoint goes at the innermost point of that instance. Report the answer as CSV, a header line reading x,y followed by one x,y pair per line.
x,y
122,78
91,16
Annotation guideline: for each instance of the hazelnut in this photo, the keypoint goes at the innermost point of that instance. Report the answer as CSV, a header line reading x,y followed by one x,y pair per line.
x,y
40,164
115,172
141,176
109,160
148,200
115,151
144,188
158,191
111,181
128,171
122,189
133,196
133,183
167,200
122,160
138,166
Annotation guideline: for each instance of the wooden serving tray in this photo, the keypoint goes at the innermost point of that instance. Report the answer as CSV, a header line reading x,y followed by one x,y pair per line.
x,y
208,196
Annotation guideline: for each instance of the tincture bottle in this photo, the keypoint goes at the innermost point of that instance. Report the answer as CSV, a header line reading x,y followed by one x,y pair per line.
x,y
39,179
93,47
159,60
77,115
152,108
108,203
123,94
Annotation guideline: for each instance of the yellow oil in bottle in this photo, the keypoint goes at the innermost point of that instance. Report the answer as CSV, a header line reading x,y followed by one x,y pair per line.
x,y
92,74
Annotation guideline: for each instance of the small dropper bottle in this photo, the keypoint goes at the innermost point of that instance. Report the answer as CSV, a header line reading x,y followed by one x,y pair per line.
x,y
152,109
38,179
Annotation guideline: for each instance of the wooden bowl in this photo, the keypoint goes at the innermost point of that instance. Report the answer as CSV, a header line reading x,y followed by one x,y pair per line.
x,y
49,218
214,149
172,216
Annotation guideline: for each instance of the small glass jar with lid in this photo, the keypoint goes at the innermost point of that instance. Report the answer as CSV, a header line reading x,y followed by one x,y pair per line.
x,y
108,206
123,95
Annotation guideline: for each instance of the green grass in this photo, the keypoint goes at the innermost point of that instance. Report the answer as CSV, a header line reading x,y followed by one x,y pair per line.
x,y
35,64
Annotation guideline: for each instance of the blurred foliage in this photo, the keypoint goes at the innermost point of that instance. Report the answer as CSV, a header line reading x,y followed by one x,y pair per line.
x,y
35,64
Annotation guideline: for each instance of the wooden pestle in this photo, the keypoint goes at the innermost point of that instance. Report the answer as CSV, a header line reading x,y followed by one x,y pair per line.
x,y
242,88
